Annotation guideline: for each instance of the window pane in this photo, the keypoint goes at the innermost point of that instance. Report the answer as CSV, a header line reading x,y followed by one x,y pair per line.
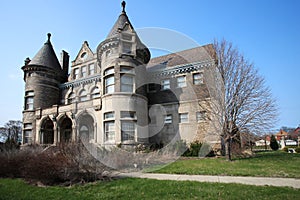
x,y
109,129
96,93
168,119
126,83
198,78
83,71
109,115
183,117
126,69
83,95
127,47
76,73
128,130
109,71
165,84
110,80
29,93
109,84
181,81
91,69
128,114
27,125
71,98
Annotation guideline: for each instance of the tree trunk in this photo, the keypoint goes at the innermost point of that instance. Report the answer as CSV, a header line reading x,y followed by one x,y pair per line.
x,y
229,142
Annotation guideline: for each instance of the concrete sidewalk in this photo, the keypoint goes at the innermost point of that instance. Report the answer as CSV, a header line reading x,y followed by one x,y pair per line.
x,y
259,181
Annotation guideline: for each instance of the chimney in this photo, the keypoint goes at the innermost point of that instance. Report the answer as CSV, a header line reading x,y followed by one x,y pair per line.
x,y
64,62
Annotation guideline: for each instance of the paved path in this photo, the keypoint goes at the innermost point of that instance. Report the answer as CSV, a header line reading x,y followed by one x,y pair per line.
x,y
280,182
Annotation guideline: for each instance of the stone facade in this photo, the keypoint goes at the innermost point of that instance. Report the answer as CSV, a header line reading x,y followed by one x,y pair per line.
x,y
118,95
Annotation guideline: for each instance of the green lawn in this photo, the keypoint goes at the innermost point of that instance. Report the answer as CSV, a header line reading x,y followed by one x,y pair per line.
x,y
134,188
267,164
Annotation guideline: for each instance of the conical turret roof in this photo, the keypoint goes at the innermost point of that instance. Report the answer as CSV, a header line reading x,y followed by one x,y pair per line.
x,y
46,57
120,23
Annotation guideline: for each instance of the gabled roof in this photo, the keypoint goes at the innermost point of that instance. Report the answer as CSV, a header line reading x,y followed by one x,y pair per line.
x,y
121,22
85,53
46,57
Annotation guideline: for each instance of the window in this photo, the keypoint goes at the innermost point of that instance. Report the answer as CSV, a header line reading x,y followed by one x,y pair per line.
x,y
127,130
201,116
197,78
76,73
127,47
181,81
168,119
71,98
128,114
83,96
165,84
95,93
127,37
109,130
91,69
109,84
127,69
183,117
126,83
109,71
151,87
27,137
109,80
29,100
109,115
83,71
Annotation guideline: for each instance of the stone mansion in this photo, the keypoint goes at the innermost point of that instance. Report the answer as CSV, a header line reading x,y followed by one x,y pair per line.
x,y
117,94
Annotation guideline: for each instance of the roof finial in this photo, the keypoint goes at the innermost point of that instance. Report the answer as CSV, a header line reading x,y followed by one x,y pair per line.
x,y
123,5
49,35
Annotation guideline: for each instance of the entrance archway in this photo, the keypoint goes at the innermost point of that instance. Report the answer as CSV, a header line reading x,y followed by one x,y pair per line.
x,y
86,128
66,130
47,132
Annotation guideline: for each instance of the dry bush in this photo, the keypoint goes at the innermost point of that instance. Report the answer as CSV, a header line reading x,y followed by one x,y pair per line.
x,y
63,164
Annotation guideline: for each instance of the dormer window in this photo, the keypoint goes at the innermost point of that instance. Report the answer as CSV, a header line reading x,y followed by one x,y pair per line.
x,y
127,47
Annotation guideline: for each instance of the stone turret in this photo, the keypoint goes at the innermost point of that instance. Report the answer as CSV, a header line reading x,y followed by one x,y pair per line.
x,y
122,58
42,75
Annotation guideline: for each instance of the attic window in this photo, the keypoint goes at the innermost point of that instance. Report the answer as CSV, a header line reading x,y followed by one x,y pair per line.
x,y
83,55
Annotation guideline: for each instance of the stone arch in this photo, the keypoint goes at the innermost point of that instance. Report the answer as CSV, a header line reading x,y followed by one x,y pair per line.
x,y
47,131
86,127
65,129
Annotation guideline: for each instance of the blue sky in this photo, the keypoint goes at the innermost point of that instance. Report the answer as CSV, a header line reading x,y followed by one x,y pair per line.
x,y
267,32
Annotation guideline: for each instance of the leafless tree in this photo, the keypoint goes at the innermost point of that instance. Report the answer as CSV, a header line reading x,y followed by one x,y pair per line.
x,y
242,102
11,131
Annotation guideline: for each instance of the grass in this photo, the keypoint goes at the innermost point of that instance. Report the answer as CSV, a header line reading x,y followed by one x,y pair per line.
x,y
134,188
266,164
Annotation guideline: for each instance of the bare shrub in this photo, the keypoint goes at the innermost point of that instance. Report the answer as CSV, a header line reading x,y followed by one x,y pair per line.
x,y
63,164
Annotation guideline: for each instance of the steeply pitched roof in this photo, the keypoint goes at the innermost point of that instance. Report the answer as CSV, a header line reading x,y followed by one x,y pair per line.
x,y
119,24
197,54
46,56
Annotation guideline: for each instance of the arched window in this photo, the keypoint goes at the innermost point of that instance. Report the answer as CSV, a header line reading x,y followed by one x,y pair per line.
x,y
83,95
95,93
109,80
71,98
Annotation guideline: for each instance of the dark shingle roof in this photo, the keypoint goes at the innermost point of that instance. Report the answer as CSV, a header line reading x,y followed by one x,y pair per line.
x,y
46,57
197,54
119,24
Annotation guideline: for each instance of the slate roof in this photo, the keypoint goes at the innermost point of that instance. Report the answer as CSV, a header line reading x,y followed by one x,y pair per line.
x,y
46,57
119,24
197,54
